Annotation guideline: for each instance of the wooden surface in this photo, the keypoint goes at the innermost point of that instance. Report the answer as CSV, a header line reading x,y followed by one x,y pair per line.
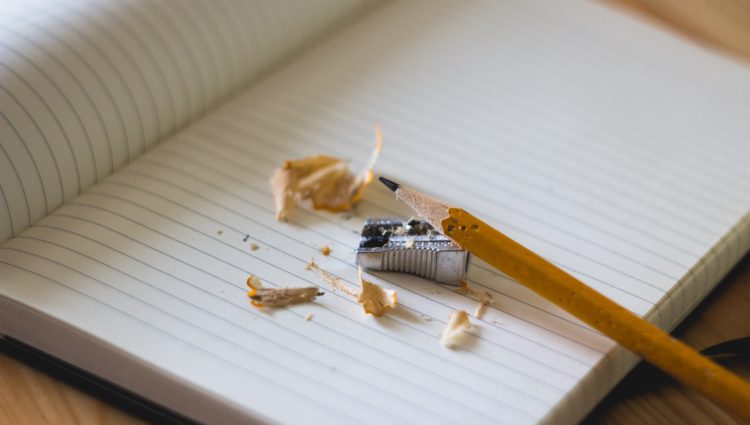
x,y
28,396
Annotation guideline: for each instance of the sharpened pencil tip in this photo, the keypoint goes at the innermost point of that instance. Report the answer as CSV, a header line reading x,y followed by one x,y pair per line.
x,y
391,184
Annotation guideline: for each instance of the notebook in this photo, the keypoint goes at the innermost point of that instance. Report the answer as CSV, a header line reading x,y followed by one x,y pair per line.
x,y
138,139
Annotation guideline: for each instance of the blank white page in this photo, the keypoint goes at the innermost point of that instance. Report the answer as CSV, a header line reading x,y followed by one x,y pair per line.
x,y
614,150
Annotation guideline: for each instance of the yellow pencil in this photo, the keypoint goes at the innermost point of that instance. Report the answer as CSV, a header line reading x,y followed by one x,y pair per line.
x,y
634,333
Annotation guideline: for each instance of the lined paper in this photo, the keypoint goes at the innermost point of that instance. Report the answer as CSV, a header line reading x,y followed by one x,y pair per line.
x,y
544,122
90,85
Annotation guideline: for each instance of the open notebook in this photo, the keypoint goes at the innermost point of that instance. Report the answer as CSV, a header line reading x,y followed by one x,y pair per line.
x,y
137,143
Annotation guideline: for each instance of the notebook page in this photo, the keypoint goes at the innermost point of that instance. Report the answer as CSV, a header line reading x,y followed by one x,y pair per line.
x,y
595,166
90,85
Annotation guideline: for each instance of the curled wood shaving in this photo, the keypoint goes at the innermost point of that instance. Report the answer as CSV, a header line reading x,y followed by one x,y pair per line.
x,y
457,325
278,297
332,280
374,299
324,180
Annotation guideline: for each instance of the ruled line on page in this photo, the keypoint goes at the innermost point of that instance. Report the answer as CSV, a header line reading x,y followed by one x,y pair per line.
x,y
64,58
51,110
11,166
46,150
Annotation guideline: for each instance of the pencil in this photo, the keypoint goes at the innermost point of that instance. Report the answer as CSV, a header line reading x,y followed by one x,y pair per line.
x,y
634,333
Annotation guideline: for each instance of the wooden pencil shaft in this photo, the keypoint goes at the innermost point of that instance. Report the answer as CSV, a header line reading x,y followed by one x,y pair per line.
x,y
647,340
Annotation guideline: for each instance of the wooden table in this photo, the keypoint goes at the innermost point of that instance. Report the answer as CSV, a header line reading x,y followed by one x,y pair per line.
x,y
28,396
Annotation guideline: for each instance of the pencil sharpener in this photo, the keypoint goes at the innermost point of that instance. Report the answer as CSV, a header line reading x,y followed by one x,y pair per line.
x,y
411,246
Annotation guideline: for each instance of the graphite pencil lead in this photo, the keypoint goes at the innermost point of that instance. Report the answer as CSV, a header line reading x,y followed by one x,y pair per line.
x,y
391,184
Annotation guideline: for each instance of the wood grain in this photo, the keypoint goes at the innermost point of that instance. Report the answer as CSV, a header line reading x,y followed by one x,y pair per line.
x,y
648,397
29,396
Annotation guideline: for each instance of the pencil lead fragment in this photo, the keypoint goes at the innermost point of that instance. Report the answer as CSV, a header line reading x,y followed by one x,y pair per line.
x,y
389,183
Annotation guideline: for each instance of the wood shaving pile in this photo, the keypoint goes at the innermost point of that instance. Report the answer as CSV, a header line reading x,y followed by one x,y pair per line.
x,y
278,297
324,180
374,299
454,330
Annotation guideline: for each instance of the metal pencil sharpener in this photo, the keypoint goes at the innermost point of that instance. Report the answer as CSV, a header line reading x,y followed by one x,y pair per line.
x,y
412,246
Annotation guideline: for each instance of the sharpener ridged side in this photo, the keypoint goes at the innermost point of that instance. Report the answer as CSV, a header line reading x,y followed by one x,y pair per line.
x,y
422,262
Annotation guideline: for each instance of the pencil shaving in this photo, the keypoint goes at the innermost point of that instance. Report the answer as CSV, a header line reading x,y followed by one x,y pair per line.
x,y
484,301
278,297
324,180
463,289
333,281
457,325
470,292
374,299
254,283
